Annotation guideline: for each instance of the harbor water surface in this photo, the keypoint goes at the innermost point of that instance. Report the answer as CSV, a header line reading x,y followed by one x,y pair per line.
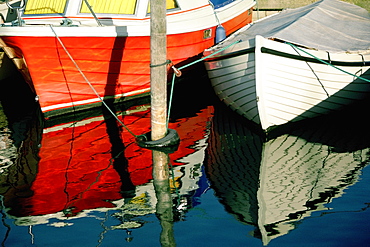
x,y
83,181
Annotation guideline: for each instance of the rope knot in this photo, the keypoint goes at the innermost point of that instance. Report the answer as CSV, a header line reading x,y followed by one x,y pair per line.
x,y
177,72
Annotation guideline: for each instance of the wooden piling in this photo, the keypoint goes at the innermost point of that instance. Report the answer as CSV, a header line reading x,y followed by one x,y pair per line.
x,y
158,71
158,87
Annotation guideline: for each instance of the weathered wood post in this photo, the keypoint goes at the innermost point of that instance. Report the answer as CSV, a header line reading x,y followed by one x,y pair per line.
x,y
158,68
158,86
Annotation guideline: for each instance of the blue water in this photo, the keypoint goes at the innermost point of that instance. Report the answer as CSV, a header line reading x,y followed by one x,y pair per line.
x,y
223,205
345,224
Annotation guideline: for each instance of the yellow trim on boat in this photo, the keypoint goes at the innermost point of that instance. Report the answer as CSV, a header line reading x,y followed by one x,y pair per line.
x,y
45,6
111,7
100,7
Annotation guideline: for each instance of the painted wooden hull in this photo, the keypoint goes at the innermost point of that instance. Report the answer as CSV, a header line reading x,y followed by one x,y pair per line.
x,y
272,83
114,58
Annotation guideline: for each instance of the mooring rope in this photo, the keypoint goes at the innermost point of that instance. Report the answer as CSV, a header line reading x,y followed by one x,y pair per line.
x,y
346,72
178,70
89,83
313,71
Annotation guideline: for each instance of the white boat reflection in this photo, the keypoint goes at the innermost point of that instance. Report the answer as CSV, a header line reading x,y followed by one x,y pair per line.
x,y
277,183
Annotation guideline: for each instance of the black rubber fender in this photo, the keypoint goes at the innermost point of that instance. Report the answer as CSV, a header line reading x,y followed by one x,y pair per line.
x,y
168,143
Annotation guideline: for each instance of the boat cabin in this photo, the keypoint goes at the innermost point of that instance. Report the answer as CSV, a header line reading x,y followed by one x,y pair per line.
x,y
112,8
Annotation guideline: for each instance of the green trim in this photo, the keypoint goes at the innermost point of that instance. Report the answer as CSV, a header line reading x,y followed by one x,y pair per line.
x,y
287,55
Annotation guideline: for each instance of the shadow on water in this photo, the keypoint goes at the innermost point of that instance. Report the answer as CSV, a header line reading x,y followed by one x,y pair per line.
x,y
20,134
276,183
120,162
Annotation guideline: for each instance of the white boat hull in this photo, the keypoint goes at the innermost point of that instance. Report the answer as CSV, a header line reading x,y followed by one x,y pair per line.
x,y
273,83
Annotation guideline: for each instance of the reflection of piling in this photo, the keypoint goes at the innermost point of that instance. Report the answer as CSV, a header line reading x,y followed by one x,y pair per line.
x,y
160,166
164,199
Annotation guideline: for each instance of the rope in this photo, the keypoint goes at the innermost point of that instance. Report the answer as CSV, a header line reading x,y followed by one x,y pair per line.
x,y
206,57
167,62
188,65
89,83
346,72
93,13
313,71
162,64
214,12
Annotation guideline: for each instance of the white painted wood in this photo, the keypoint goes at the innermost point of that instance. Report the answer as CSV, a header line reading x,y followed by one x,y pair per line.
x,y
287,89
190,16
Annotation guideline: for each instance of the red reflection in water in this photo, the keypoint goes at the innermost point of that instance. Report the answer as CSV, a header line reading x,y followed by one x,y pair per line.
x,y
87,164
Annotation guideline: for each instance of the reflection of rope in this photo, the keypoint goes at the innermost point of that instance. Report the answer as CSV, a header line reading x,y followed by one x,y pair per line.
x,y
79,196
31,233
65,189
88,82
3,218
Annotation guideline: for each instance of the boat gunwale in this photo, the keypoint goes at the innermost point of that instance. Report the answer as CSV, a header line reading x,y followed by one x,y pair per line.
x,y
276,52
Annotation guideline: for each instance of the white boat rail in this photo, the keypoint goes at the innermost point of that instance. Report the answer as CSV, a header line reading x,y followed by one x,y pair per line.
x,y
18,10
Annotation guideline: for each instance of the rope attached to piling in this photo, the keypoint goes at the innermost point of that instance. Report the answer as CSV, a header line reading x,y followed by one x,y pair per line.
x,y
178,73
142,139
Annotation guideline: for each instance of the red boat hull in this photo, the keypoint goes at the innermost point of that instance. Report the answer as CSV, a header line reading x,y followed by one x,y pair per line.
x,y
117,67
